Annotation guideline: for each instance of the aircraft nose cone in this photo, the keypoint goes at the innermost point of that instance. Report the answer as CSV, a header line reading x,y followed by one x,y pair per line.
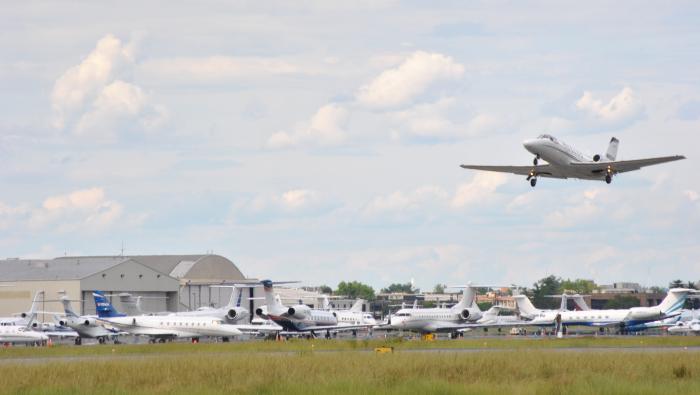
x,y
529,145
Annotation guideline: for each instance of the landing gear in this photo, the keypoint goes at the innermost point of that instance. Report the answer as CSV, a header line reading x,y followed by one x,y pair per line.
x,y
328,334
224,339
533,181
608,178
101,340
78,341
534,161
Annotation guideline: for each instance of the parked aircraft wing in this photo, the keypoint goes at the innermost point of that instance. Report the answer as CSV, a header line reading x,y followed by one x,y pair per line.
x,y
539,170
622,166
334,328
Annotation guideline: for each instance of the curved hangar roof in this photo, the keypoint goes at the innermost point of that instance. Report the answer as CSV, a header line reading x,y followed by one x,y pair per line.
x,y
193,268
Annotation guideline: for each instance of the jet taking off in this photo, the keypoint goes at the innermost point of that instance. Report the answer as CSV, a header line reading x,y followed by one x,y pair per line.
x,y
564,161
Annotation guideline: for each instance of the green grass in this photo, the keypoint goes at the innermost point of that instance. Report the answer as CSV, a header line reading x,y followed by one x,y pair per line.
x,y
522,366
507,343
534,372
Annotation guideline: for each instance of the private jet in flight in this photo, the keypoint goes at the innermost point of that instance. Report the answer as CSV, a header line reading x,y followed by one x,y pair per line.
x,y
563,161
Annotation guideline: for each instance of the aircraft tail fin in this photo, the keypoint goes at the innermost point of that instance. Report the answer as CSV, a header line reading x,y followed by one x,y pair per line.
x,y
468,298
103,307
611,154
524,304
67,307
492,312
35,303
674,300
357,306
273,303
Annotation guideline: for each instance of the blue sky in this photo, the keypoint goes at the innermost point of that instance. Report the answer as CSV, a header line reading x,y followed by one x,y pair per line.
x,y
321,141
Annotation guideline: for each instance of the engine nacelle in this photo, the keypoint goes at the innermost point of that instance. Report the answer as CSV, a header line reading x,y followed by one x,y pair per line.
x,y
89,322
596,158
259,312
35,325
237,313
644,313
299,311
23,315
464,314
62,323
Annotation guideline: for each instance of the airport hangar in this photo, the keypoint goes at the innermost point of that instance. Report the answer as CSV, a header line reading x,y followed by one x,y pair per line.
x,y
166,282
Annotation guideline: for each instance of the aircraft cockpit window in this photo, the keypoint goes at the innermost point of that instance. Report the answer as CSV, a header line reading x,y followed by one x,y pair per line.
x,y
547,136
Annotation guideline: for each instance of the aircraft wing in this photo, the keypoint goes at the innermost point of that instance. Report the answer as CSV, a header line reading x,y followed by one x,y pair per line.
x,y
334,328
540,170
621,166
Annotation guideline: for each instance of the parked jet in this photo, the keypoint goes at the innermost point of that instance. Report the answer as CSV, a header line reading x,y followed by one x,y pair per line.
x,y
88,326
439,319
300,318
564,161
24,319
354,315
529,312
686,327
670,306
162,328
10,334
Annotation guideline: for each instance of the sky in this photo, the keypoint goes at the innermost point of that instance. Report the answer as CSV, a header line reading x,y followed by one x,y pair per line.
x,y
321,141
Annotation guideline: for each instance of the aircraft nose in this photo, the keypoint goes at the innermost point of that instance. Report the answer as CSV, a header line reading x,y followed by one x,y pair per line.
x,y
529,145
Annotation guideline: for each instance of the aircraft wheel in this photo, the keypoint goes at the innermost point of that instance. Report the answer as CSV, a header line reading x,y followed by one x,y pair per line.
x,y
534,161
533,182
78,341
101,340
608,179
224,339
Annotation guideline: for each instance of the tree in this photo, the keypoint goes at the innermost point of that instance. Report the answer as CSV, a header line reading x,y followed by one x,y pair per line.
x,y
325,289
580,286
543,289
439,288
355,289
400,288
622,302
676,284
656,290
484,306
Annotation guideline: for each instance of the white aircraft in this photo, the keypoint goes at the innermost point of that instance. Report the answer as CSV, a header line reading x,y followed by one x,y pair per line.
x,y
86,325
528,311
300,318
354,315
161,328
670,306
10,334
233,312
439,319
685,327
26,318
565,162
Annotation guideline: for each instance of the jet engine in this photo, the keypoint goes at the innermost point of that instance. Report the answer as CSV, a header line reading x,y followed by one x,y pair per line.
x,y
299,311
237,313
89,322
62,323
259,312
596,158
464,314
644,313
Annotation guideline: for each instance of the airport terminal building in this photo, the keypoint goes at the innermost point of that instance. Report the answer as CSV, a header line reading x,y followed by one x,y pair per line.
x,y
166,282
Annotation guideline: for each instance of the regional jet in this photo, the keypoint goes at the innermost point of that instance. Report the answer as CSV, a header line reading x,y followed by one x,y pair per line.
x,y
563,161
85,325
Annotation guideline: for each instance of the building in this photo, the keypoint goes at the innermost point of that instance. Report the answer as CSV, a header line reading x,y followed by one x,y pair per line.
x,y
166,282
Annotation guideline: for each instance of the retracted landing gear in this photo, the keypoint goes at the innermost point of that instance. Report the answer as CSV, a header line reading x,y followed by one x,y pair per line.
x,y
534,161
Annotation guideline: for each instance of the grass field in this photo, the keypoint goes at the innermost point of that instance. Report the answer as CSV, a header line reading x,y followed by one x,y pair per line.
x,y
522,366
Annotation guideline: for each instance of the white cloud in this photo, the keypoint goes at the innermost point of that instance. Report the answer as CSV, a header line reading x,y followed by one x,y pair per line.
x,y
93,98
325,128
295,203
401,206
82,208
480,189
622,108
81,83
586,209
399,86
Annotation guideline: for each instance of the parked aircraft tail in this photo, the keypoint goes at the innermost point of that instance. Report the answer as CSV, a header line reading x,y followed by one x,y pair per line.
x,y
357,306
524,305
67,308
103,307
611,154
674,300
468,297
